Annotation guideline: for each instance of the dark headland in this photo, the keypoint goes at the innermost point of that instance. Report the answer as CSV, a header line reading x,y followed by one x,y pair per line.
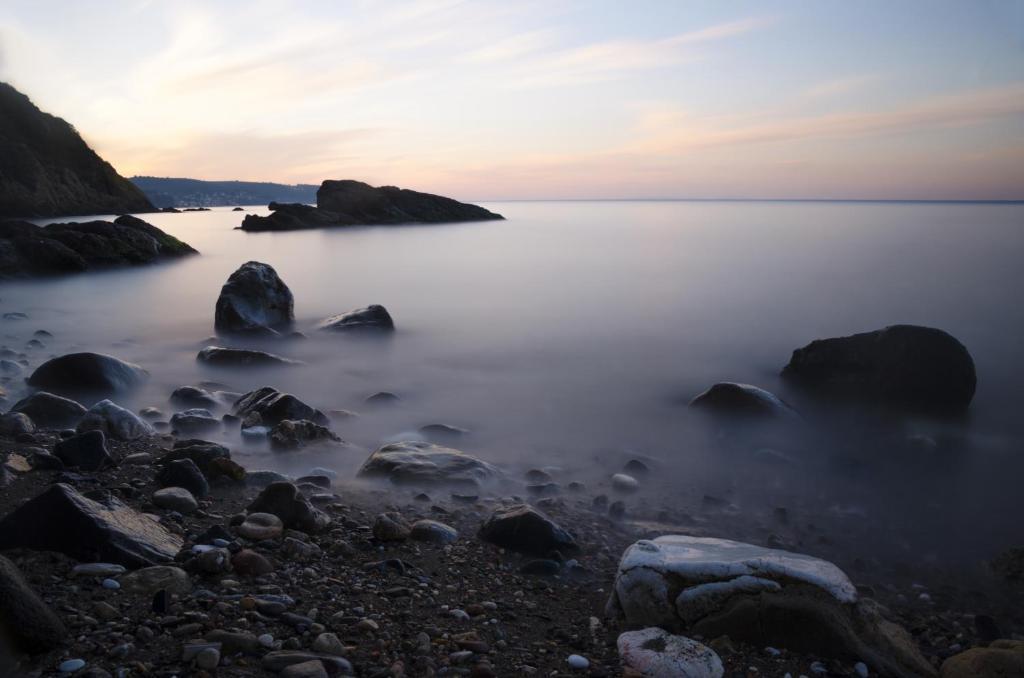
x,y
47,170
349,203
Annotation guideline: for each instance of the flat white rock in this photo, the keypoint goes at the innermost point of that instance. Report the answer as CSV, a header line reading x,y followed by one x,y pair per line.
x,y
680,578
655,653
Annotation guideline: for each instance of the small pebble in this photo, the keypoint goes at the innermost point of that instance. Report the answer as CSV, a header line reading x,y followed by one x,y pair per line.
x,y
71,665
111,584
578,662
266,640
862,669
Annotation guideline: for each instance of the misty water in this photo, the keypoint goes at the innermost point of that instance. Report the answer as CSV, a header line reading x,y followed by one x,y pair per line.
x,y
573,334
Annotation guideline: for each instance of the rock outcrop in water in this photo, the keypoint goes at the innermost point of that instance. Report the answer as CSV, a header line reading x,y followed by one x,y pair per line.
x,y
373,318
349,203
30,250
920,369
254,301
741,400
47,170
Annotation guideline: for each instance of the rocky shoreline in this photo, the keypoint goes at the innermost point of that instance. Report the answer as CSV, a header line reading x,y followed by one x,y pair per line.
x,y
373,592
138,544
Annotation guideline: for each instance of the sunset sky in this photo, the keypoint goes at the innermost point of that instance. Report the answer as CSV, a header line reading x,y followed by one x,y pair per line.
x,y
542,99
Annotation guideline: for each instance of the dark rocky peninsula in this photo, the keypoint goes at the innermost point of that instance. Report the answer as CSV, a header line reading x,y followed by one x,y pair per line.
x,y
28,250
350,203
47,170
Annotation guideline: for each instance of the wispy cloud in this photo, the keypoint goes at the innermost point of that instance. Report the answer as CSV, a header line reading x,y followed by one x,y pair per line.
x,y
841,86
611,59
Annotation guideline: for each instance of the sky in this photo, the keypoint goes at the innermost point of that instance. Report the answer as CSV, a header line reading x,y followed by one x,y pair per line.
x,y
542,99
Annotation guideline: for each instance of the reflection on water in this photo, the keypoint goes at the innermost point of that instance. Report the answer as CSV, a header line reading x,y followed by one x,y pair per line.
x,y
570,334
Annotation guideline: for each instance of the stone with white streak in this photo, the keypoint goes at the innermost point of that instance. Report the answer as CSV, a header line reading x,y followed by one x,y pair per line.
x,y
713,587
655,653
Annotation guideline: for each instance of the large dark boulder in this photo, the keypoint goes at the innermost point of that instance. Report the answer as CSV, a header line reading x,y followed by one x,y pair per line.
x,y
46,169
254,300
524,529
268,406
372,318
183,473
50,411
61,519
87,374
241,357
420,463
915,368
348,202
27,624
87,451
284,500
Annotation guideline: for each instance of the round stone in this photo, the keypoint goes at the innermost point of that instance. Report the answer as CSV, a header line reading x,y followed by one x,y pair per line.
x,y
260,526
175,499
208,659
71,665
578,662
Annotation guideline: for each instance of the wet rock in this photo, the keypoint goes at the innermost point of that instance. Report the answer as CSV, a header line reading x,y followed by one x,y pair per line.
x,y
636,467
214,561
175,499
10,368
273,406
420,463
314,668
284,500
907,366
254,300
50,411
15,424
1001,659
292,435
443,432
433,532
149,580
249,563
624,483
653,653
194,421
62,519
27,624
260,526
219,356
1010,565
88,374
715,587
328,643
193,396
183,473
277,661
87,451
390,527
115,421
374,318
525,529
202,453
741,400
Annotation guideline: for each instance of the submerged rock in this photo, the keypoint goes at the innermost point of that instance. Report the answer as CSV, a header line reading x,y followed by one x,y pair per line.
x,y
715,587
741,400
115,421
420,463
916,368
525,529
50,411
254,300
347,202
62,519
372,318
87,373
27,624
241,357
654,653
